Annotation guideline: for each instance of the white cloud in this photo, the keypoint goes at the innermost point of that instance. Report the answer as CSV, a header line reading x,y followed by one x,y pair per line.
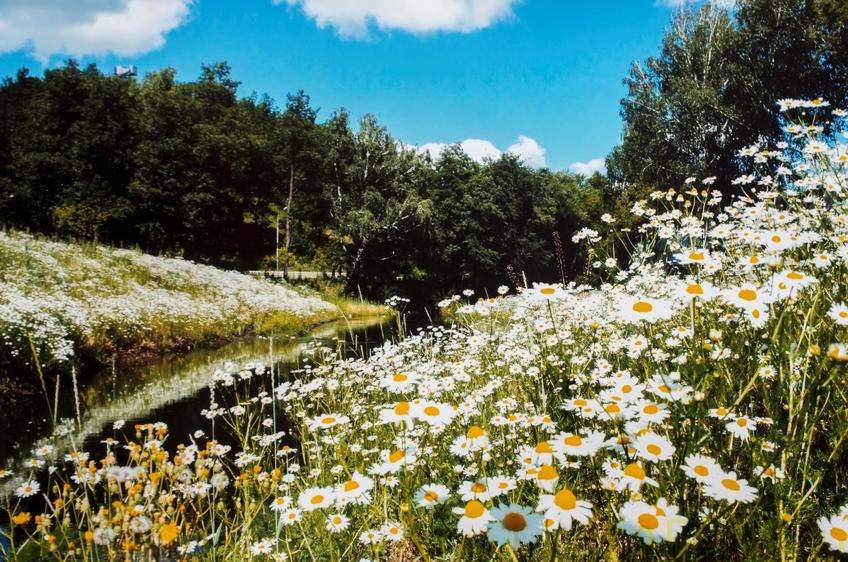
x,y
88,27
588,168
352,18
529,151
478,150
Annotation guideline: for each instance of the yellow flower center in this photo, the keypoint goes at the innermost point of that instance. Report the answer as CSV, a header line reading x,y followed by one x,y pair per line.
x,y
350,485
696,256
731,484
573,440
748,295
742,422
396,456
650,409
838,534
400,377
328,420
316,499
643,307
431,411
402,408
547,472
565,499
544,447
478,488
648,521
701,470
654,449
547,291
633,470
475,432
431,496
795,275
474,509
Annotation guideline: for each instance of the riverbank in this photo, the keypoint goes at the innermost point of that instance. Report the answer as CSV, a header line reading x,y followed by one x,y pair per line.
x,y
66,305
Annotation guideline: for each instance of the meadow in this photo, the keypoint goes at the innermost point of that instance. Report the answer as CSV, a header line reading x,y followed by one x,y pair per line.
x,y
57,298
691,407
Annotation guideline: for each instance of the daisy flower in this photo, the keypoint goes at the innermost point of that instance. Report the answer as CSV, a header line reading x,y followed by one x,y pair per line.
x,y
653,447
27,489
547,477
474,491
499,484
399,382
290,516
636,309
835,532
327,421
839,314
315,498
398,413
514,525
632,478
475,518
337,522
741,427
563,508
356,490
434,413
701,468
726,486
653,523
431,494
392,531
572,444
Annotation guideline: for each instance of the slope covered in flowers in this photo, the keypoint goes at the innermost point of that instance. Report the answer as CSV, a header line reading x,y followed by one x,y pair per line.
x,y
60,294
692,408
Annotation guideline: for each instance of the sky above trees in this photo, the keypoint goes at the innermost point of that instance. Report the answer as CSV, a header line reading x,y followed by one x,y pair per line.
x,y
540,78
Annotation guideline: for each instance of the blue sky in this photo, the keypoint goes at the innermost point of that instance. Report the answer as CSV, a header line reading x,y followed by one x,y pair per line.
x,y
492,70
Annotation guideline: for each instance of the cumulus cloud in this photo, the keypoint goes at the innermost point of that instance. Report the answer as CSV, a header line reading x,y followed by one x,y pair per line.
x,y
479,150
588,168
529,151
352,18
88,27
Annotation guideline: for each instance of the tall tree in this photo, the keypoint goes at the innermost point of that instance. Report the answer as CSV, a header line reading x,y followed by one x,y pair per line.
x,y
299,153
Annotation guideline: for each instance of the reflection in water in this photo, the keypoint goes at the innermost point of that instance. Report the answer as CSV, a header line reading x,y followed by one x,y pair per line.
x,y
175,390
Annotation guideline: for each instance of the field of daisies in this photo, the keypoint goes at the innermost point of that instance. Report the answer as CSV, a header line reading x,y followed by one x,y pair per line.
x,y
56,296
692,408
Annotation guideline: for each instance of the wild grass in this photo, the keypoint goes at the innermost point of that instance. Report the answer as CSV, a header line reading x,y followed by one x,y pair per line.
x,y
691,408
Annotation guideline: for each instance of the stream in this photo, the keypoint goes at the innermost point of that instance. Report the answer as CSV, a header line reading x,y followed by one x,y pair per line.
x,y
174,391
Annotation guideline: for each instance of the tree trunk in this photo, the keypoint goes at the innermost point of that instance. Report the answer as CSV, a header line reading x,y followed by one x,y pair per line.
x,y
353,269
288,224
277,245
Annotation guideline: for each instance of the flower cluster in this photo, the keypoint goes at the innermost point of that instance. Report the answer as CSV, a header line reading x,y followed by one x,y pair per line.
x,y
693,404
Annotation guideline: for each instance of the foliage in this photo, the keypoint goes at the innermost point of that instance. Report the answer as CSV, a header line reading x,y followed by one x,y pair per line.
x,y
189,169
709,94
693,407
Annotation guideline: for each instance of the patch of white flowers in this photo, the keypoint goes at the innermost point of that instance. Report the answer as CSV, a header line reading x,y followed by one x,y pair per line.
x,y
56,294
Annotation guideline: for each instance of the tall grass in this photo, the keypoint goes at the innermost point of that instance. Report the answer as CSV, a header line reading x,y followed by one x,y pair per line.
x,y
692,408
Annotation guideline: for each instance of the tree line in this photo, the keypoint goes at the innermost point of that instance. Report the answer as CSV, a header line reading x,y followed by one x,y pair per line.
x,y
190,168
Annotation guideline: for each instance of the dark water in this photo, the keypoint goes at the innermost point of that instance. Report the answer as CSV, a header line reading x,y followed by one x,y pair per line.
x,y
174,391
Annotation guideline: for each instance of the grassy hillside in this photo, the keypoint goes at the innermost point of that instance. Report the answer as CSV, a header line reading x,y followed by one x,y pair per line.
x,y
66,297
